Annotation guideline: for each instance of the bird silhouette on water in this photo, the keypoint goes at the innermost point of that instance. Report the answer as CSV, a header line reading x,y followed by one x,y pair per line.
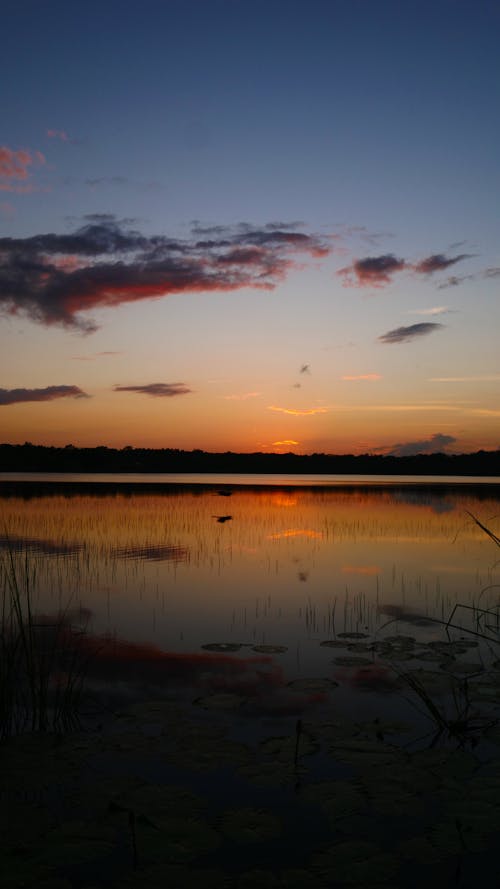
x,y
222,518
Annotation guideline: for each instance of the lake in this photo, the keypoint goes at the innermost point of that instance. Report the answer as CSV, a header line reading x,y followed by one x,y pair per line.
x,y
272,572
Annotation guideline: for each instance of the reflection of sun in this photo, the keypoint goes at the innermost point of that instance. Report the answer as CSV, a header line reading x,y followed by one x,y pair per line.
x,y
295,532
284,500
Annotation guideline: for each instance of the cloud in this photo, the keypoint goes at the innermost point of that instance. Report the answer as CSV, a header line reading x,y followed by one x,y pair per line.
x,y
372,271
299,413
58,279
158,390
356,377
15,169
437,262
305,369
492,273
434,310
106,180
378,271
244,397
406,334
50,393
285,443
58,134
454,281
431,445
485,378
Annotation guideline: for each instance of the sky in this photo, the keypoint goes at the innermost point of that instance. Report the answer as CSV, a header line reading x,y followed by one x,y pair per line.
x,y
251,226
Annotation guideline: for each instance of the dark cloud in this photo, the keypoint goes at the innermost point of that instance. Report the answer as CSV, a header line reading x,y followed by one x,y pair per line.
x,y
159,390
378,271
492,273
406,334
432,445
454,281
305,369
57,279
438,262
50,393
372,271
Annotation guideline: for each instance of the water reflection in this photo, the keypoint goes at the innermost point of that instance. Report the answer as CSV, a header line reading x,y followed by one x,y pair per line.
x,y
293,567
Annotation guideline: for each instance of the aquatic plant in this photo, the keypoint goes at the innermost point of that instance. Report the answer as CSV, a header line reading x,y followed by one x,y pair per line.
x,y
42,663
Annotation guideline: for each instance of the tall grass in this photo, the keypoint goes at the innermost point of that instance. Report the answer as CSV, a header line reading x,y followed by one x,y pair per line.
x,y
42,661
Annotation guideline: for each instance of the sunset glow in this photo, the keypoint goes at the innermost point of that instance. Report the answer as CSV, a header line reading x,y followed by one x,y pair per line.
x,y
240,241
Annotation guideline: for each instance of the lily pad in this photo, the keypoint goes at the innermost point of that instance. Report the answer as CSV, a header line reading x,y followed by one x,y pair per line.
x,y
351,661
333,643
270,649
222,646
353,635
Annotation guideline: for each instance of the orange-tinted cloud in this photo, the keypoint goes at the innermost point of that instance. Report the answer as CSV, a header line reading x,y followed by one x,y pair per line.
x,y
244,397
117,265
15,169
50,393
356,377
299,413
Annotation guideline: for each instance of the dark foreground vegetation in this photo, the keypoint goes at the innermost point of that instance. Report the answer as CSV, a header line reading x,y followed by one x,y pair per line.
x,y
37,458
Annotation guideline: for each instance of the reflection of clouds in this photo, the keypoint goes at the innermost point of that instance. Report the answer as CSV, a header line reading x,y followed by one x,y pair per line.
x,y
439,503
15,544
162,553
296,532
361,569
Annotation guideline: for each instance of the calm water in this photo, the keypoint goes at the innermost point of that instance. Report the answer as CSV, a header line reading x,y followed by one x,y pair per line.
x,y
176,567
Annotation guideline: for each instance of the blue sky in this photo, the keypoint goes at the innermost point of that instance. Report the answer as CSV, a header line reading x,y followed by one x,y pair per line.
x,y
369,128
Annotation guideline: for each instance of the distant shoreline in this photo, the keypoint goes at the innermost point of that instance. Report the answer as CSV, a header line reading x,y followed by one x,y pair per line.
x,y
30,458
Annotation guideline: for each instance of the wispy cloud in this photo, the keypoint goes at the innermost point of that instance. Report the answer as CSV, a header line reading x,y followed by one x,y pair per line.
x,y
243,397
287,442
492,272
454,281
50,393
58,134
299,413
305,369
430,445
407,334
15,169
438,262
353,378
94,356
110,264
158,390
433,310
481,378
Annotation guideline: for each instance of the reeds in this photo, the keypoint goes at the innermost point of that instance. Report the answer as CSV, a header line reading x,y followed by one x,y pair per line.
x,y
42,664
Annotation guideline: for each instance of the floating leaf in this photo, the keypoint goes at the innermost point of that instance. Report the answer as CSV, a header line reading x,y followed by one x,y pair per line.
x,y
270,649
222,646
333,643
351,661
353,635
